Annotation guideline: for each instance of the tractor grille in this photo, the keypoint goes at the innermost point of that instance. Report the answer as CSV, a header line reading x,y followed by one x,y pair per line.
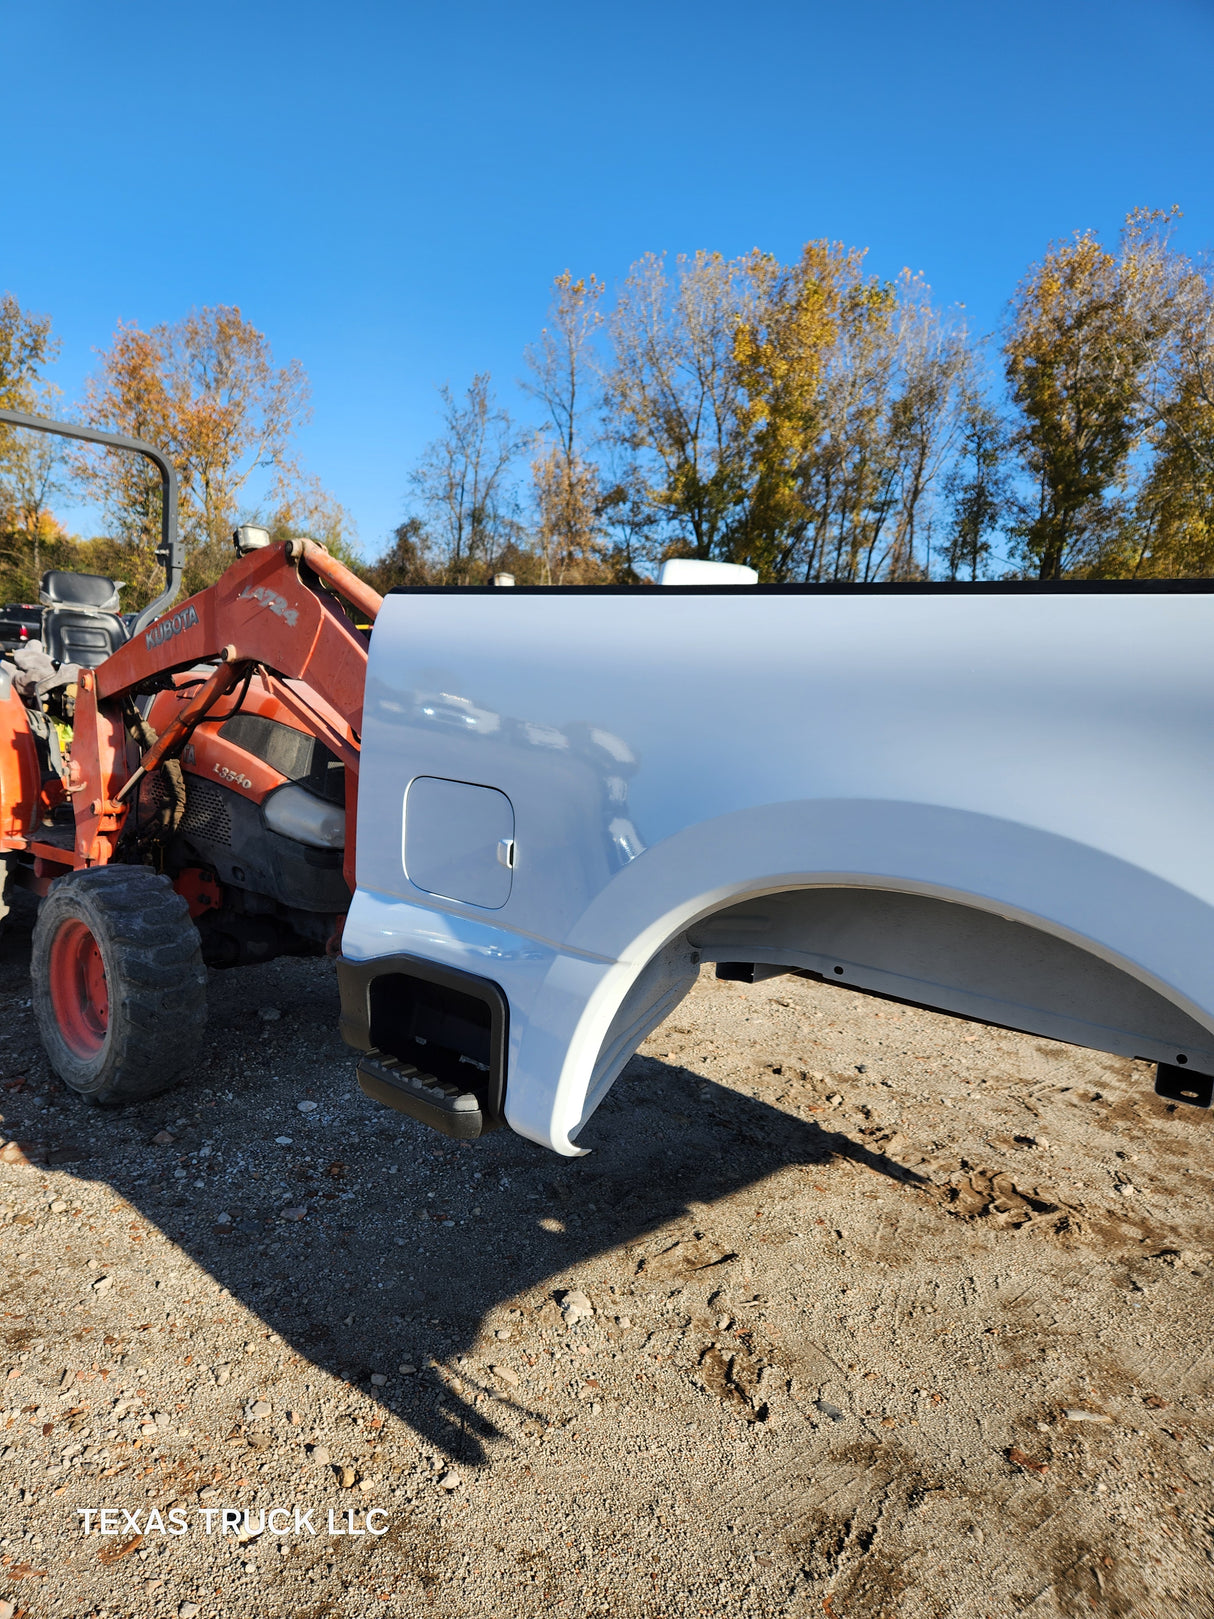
x,y
206,812
207,817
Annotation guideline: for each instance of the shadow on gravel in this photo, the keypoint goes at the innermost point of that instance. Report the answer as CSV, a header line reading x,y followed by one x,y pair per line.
x,y
360,1284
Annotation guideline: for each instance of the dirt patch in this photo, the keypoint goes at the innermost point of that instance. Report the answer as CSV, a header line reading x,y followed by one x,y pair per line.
x,y
734,1378
681,1259
993,1195
846,1275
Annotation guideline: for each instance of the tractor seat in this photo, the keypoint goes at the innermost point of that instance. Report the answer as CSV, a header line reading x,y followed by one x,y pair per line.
x,y
80,622
73,636
60,589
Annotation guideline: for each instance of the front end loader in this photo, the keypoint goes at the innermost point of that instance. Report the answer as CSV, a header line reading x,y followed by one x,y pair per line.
x,y
179,789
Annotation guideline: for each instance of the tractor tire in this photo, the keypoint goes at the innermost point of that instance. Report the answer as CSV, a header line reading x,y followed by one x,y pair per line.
x,y
4,906
119,987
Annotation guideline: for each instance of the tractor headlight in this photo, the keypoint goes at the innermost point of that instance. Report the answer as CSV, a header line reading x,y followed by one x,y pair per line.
x,y
250,537
299,814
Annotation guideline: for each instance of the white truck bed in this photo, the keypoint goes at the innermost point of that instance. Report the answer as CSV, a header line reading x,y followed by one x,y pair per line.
x,y
991,800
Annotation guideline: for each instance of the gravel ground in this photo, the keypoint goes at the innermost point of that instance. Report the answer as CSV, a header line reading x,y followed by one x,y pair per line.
x,y
853,1310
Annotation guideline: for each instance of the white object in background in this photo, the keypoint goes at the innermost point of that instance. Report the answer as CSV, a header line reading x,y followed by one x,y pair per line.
x,y
691,571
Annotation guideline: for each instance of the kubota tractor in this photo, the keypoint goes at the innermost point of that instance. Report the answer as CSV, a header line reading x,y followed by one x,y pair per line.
x,y
180,789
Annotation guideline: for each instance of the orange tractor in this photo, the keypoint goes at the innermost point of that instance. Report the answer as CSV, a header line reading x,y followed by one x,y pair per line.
x,y
179,788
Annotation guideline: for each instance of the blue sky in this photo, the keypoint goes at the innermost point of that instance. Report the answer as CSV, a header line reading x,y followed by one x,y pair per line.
x,y
387,189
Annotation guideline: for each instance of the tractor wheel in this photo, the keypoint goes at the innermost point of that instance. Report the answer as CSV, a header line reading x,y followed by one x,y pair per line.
x,y
119,988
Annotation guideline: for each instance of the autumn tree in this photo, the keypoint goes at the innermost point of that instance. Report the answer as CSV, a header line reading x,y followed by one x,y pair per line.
x,y
565,483
782,353
407,561
933,377
31,464
205,390
632,523
463,483
1169,530
1073,354
976,490
305,507
567,516
33,474
1110,360
853,391
672,390
26,346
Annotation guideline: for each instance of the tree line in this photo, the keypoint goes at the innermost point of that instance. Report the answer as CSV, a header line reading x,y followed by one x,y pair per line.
x,y
810,419
819,423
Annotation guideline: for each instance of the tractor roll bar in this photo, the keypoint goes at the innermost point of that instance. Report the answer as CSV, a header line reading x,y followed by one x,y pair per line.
x,y
170,542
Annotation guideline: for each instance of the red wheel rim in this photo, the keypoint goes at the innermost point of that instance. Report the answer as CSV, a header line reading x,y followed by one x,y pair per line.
x,y
79,992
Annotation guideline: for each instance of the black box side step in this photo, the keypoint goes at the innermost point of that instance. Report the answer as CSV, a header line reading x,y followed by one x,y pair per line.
x,y
431,1101
428,1019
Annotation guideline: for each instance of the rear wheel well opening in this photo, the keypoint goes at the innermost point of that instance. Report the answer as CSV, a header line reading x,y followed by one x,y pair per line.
x,y
958,958
944,955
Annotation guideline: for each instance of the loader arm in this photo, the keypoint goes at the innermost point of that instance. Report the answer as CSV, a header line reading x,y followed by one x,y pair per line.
x,y
275,609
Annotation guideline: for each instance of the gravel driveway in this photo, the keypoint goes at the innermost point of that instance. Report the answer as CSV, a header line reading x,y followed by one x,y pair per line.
x,y
853,1310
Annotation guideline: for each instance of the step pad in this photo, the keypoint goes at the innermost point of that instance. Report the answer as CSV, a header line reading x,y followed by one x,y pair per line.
x,y
430,1100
